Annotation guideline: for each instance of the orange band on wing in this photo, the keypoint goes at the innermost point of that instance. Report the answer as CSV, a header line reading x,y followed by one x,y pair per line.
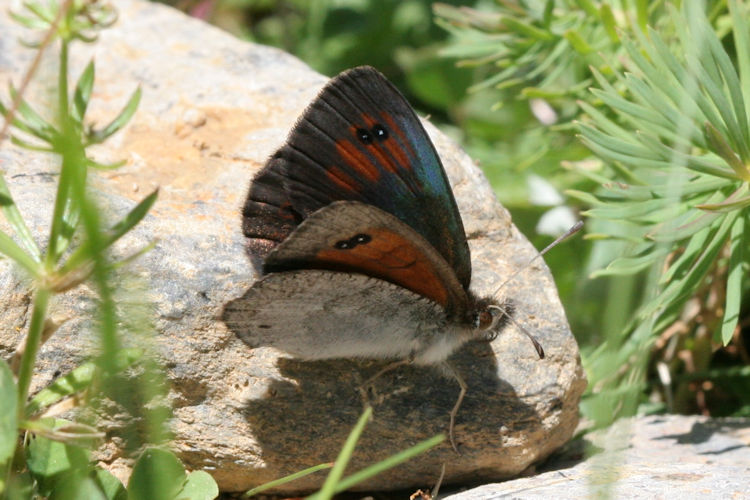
x,y
390,257
357,160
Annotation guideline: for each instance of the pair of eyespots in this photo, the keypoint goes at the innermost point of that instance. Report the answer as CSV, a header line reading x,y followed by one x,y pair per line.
x,y
378,132
357,239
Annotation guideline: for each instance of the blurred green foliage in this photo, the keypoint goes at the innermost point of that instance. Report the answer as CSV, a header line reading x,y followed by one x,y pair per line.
x,y
43,456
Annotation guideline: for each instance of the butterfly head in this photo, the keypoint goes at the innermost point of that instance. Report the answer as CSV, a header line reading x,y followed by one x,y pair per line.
x,y
490,317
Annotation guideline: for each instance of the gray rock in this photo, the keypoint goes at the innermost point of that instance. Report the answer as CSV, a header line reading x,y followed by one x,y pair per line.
x,y
213,109
670,456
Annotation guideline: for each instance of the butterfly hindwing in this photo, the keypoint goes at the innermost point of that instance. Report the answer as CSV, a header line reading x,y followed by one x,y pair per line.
x,y
313,314
359,140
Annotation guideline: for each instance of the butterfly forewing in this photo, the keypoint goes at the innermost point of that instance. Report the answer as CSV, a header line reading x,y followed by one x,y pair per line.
x,y
359,140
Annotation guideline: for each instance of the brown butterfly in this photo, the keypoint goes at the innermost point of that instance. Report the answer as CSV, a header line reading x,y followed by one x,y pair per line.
x,y
356,233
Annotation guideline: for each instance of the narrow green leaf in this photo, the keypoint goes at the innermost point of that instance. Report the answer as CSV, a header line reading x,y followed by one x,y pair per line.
x,y
105,166
42,10
133,217
8,416
287,479
525,28
390,462
82,93
726,206
549,9
720,146
634,161
30,22
76,380
683,227
10,249
157,475
120,120
632,210
584,197
686,94
732,84
342,460
631,265
33,122
13,215
697,38
15,139
552,59
588,7
618,145
136,214
681,288
741,34
610,24
578,43
735,277
199,486
641,9
666,78
603,122
632,111
695,245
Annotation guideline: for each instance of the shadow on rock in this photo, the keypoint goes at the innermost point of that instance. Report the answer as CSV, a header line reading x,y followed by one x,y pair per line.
x,y
305,418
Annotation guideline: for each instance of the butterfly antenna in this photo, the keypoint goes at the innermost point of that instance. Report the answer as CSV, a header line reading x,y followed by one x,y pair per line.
x,y
537,345
570,232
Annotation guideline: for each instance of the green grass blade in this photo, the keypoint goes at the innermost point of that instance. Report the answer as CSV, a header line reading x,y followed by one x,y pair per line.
x,y
735,275
392,461
287,479
329,487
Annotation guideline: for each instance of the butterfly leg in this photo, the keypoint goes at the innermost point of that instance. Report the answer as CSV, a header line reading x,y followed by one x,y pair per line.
x,y
464,387
364,387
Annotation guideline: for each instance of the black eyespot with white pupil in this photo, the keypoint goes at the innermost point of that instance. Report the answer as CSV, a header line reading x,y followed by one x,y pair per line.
x,y
357,239
378,132
364,136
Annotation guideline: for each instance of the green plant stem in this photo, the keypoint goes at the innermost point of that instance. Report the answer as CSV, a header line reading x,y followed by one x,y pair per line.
x,y
63,185
33,340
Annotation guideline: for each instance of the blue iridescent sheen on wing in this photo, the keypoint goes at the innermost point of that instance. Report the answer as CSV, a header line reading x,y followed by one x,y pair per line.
x,y
359,140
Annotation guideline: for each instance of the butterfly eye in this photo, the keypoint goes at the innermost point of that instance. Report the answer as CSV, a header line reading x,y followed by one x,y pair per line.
x,y
484,320
380,132
364,136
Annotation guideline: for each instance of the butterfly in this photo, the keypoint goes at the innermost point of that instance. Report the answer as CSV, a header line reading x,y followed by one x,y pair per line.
x,y
353,226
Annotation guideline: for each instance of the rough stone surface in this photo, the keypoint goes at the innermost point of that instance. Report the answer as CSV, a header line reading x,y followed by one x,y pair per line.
x,y
670,456
213,110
